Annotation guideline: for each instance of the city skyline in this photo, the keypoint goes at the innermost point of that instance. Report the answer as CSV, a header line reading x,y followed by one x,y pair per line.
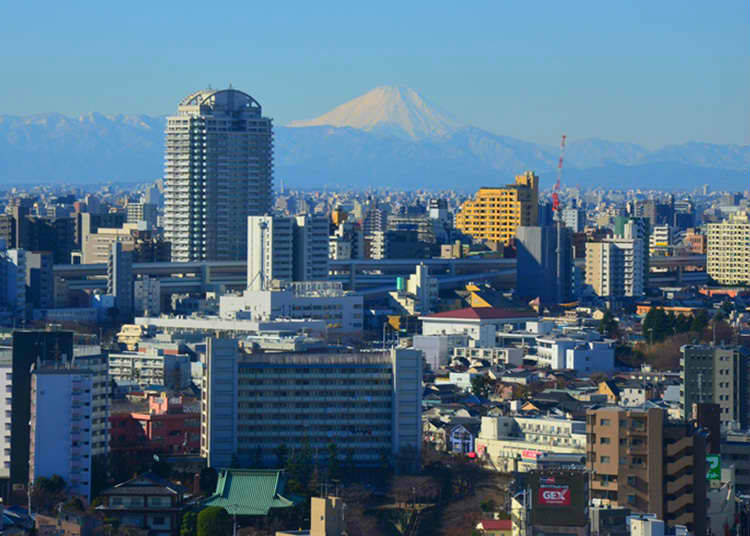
x,y
650,74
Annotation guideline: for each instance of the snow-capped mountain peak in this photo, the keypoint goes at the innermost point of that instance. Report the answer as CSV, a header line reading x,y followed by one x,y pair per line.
x,y
399,111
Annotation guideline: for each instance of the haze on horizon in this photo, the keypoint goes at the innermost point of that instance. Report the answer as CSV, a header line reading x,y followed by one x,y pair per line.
x,y
648,73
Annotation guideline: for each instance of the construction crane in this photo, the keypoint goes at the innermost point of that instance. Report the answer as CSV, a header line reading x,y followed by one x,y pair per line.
x,y
556,189
559,253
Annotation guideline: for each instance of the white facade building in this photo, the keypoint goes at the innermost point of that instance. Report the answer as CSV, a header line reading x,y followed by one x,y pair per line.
x,y
270,250
286,249
90,358
319,300
479,323
311,248
513,443
591,356
437,349
218,170
6,413
420,293
137,212
61,428
372,405
151,365
615,268
728,250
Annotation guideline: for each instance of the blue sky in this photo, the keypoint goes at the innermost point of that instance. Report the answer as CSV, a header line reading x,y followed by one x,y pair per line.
x,y
647,72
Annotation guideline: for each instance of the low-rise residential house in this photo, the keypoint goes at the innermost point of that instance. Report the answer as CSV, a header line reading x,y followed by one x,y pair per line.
x,y
634,394
495,527
145,502
610,389
67,522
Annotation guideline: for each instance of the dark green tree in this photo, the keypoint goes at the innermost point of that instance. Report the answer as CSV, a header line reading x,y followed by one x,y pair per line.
x,y
207,480
682,323
189,526
213,521
258,458
282,455
480,386
700,321
608,325
334,464
47,493
350,467
656,325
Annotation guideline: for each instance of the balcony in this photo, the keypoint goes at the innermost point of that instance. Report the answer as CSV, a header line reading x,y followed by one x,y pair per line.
x,y
679,465
680,502
680,483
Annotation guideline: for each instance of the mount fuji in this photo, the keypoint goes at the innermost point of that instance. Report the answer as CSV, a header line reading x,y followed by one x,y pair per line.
x,y
396,111
390,136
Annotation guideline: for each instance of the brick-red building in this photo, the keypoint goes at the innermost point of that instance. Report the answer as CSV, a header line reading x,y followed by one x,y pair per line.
x,y
165,428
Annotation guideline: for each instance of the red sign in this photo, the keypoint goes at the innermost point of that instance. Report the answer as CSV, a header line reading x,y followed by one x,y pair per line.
x,y
554,495
531,454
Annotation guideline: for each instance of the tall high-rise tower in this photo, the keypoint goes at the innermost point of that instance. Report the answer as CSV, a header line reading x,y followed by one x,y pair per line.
x,y
218,170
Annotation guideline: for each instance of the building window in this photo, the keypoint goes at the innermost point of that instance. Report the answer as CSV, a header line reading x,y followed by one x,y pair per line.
x,y
604,422
604,440
604,459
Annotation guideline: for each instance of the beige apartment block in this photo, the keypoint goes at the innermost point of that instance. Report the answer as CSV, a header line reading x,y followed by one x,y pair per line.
x,y
615,267
728,250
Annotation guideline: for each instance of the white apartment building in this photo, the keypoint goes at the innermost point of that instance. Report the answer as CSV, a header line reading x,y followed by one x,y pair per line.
x,y
151,366
419,295
479,323
318,300
6,413
505,356
270,250
662,238
437,349
615,268
91,358
311,247
514,443
286,249
346,242
728,250
137,212
368,403
60,442
218,170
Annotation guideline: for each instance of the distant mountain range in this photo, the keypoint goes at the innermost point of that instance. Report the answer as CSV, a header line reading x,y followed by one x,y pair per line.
x,y
387,137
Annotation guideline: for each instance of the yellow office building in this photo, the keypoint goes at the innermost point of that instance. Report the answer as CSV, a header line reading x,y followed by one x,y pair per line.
x,y
495,213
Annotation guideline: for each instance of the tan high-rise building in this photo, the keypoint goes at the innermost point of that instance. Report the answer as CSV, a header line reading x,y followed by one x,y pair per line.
x,y
728,250
638,460
496,213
